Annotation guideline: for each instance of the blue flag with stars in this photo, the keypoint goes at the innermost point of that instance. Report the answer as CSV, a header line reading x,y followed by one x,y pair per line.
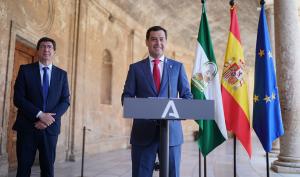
x,y
267,121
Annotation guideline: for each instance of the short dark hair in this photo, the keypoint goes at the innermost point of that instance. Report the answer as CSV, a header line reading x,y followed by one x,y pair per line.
x,y
155,28
46,39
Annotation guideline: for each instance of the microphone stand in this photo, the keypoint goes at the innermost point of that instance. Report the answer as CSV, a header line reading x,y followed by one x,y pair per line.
x,y
164,138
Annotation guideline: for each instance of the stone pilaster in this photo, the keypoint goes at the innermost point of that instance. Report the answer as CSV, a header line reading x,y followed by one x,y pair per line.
x,y
3,157
287,39
3,165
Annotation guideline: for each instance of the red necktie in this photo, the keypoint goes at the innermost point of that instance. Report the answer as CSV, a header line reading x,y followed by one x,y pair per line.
x,y
156,74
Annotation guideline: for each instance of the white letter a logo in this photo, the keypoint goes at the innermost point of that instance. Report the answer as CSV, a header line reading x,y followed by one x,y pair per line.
x,y
174,112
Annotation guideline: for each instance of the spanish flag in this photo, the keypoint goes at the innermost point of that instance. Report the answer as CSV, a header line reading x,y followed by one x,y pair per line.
x,y
234,87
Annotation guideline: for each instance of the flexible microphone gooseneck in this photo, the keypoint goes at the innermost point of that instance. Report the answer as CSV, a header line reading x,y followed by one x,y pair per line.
x,y
169,84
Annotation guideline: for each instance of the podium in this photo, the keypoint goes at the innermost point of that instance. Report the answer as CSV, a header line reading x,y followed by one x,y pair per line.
x,y
165,109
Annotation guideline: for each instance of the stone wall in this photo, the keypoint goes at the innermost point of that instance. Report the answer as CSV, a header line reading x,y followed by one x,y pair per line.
x,y
90,35
27,21
97,40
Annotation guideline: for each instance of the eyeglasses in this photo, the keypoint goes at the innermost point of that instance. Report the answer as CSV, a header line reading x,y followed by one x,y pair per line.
x,y
46,46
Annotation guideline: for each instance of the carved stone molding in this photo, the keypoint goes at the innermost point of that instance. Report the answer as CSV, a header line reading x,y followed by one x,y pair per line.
x,y
39,15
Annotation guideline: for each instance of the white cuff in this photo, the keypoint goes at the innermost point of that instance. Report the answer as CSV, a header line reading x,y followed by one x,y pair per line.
x,y
38,114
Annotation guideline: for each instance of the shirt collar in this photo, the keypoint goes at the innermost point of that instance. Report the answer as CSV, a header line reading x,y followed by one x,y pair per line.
x,y
162,58
42,66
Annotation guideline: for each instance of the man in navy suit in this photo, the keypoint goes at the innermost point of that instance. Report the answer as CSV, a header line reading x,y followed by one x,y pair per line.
x,y
41,94
149,78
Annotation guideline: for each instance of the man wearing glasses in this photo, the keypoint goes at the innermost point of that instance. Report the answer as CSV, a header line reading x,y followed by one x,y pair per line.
x,y
41,94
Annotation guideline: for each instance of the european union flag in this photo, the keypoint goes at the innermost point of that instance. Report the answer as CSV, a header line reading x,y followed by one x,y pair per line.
x,y
267,121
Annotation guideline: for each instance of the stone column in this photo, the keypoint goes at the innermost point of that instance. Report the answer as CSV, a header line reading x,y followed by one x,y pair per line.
x,y
287,45
270,19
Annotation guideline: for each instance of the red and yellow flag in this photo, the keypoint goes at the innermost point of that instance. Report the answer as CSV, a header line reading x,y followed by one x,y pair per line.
x,y
234,87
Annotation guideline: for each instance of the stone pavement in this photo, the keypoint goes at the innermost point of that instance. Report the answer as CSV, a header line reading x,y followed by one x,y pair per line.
x,y
219,163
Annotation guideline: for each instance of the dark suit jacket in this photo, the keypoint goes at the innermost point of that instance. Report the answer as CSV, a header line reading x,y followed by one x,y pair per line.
x,y
140,83
29,100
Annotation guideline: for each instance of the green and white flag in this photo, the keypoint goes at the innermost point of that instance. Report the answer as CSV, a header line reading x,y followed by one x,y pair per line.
x,y
206,85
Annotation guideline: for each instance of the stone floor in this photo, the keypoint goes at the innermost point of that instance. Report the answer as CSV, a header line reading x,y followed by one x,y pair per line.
x,y
219,163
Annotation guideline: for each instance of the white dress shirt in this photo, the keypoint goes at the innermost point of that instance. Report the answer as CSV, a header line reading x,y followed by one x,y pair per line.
x,y
42,72
160,65
41,66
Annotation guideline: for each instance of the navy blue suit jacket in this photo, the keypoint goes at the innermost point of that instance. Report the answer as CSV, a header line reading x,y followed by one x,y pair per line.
x,y
140,84
29,100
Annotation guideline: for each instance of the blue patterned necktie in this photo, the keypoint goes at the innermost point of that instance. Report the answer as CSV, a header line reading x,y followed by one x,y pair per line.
x,y
45,86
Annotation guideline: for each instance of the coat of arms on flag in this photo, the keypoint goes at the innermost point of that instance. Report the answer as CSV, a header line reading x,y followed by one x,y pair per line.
x,y
202,79
234,73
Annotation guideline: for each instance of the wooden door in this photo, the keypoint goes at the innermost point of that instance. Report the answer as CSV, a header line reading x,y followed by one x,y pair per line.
x,y
23,55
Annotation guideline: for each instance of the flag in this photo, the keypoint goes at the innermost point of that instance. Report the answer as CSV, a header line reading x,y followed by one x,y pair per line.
x,y
267,121
234,87
205,84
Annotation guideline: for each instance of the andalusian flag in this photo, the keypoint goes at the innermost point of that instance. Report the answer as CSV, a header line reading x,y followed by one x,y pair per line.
x,y
267,121
206,85
234,87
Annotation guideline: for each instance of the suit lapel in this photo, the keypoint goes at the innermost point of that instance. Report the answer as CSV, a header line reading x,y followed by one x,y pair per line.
x,y
37,77
148,73
53,81
164,78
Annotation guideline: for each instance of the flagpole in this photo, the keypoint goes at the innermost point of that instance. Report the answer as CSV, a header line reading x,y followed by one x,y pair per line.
x,y
200,165
231,3
199,162
262,3
267,161
234,156
204,166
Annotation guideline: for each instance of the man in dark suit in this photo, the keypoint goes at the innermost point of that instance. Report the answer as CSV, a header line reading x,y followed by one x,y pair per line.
x,y
41,94
149,78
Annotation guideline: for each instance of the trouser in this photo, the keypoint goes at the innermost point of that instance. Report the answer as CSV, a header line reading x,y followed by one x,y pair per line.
x,y
27,145
143,159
